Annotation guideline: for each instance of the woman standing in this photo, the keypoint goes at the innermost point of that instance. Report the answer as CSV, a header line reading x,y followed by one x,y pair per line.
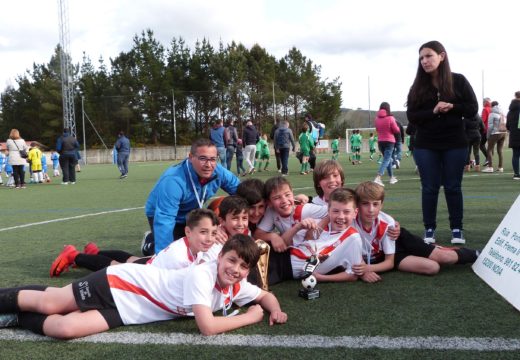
x,y
15,144
386,128
495,136
513,126
438,102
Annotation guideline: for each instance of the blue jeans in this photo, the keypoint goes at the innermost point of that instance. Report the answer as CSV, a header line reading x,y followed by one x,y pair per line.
x,y
441,167
230,151
122,162
221,151
284,157
387,149
398,153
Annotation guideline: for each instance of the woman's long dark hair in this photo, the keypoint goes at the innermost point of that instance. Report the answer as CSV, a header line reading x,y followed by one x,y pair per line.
x,y
423,81
386,106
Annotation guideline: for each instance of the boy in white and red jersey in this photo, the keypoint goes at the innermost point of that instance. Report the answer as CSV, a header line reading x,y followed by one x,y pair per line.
x,y
201,230
337,246
109,298
283,215
407,253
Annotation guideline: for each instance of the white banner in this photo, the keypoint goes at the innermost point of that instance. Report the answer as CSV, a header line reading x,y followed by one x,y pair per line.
x,y
499,263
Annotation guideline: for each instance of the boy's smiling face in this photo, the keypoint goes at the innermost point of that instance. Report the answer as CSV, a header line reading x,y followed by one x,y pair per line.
x,y
330,182
369,211
256,212
282,200
341,214
231,269
202,236
235,223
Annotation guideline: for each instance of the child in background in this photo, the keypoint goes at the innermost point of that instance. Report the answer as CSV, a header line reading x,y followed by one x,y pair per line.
x,y
46,177
35,159
356,141
55,158
2,165
201,230
196,291
335,148
408,253
9,173
372,143
306,144
240,159
264,153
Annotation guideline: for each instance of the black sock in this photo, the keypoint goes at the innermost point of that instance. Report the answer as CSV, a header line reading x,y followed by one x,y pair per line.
x,y
9,300
117,255
32,321
92,262
466,256
26,287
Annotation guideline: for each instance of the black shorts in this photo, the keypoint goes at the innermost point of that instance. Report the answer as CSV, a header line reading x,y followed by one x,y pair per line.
x,y
93,293
409,244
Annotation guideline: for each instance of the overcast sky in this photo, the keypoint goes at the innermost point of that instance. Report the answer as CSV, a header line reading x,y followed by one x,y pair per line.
x,y
353,40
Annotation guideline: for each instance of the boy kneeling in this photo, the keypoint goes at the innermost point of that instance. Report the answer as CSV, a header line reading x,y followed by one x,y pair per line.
x,y
129,294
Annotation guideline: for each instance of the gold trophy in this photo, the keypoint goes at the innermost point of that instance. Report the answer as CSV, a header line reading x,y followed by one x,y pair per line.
x,y
263,263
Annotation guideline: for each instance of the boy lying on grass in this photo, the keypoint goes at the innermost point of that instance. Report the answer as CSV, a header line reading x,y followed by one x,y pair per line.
x,y
129,294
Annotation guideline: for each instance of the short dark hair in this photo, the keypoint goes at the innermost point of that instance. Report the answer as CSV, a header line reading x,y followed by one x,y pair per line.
x,y
195,216
273,184
252,190
494,103
232,205
200,143
517,94
344,196
245,247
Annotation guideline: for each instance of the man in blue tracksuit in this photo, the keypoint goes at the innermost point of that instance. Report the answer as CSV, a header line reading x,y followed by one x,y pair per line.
x,y
122,147
182,188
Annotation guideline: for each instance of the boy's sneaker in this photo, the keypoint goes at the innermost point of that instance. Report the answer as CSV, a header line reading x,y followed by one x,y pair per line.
x,y
148,244
378,181
467,256
393,180
487,169
429,236
457,237
64,260
8,320
500,170
310,266
91,249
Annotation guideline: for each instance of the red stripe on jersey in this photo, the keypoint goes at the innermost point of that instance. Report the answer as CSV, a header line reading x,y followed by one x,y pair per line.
x,y
298,253
350,231
297,216
115,282
188,251
236,289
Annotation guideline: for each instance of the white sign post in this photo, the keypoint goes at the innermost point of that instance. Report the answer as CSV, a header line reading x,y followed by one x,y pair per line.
x,y
499,263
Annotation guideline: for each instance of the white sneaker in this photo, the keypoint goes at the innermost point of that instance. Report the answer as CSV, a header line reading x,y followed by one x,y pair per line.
x,y
487,169
500,170
429,236
378,181
457,237
393,180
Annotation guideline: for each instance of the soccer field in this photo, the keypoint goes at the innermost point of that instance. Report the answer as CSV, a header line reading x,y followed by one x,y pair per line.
x,y
406,316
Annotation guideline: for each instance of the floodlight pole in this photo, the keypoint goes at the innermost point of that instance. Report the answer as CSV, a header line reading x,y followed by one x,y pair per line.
x,y
84,135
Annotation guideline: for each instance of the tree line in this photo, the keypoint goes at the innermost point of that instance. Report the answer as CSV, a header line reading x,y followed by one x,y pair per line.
x,y
152,90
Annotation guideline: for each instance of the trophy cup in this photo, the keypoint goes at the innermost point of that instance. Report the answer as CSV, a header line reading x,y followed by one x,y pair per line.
x,y
308,291
263,263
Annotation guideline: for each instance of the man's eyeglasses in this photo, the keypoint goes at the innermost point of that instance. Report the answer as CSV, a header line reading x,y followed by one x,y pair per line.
x,y
205,160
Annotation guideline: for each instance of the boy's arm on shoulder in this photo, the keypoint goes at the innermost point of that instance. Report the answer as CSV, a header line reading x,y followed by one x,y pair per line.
x,y
270,303
209,324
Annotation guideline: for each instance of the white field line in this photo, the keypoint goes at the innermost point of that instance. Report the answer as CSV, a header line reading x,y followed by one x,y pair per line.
x,y
69,218
296,341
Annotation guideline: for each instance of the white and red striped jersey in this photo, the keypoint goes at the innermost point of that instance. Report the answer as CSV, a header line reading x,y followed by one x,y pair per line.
x,y
333,248
376,242
146,294
177,255
272,219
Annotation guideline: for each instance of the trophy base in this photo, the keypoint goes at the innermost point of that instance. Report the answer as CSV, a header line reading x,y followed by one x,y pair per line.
x,y
309,294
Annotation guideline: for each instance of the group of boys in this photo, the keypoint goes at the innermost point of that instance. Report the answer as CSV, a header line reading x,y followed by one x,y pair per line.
x,y
207,269
37,162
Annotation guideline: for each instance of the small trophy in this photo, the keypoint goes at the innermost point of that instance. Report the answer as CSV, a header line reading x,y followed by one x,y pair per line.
x,y
263,263
308,291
